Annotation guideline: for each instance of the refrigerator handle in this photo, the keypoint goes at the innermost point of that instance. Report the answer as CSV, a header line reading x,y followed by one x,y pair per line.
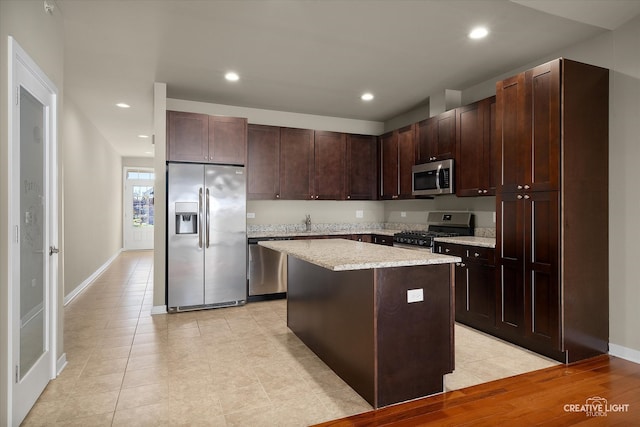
x,y
200,219
207,219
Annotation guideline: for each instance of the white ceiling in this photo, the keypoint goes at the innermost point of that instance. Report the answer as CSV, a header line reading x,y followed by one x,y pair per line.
x,y
313,57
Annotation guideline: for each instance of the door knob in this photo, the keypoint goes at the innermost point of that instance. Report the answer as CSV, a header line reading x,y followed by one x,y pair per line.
x,y
53,250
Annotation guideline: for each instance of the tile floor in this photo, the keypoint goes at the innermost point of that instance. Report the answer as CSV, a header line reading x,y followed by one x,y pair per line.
x,y
237,366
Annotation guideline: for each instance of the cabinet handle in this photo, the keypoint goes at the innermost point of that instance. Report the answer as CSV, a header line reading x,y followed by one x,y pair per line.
x,y
447,250
479,191
519,187
277,196
462,264
519,196
348,197
485,191
526,196
526,187
476,254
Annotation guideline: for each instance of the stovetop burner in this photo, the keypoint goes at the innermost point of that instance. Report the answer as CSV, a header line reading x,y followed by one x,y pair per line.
x,y
441,224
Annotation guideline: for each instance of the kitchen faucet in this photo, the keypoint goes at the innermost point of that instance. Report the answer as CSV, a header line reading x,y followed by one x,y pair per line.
x,y
307,222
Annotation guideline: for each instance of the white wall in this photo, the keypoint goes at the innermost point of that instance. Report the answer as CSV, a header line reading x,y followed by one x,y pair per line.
x,y
41,36
92,198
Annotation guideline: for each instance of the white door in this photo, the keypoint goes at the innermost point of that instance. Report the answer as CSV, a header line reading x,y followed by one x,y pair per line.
x,y
33,186
138,208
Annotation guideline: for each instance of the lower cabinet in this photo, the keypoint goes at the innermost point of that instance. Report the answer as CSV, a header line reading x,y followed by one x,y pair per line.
x,y
475,291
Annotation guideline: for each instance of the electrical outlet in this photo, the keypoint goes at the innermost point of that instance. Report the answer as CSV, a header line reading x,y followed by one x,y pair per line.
x,y
403,214
415,295
251,215
494,217
359,214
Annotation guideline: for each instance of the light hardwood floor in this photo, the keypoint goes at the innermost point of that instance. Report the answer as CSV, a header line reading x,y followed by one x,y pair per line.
x,y
237,366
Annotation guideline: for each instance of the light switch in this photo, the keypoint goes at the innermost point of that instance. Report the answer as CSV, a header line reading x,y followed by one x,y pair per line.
x,y
415,295
403,214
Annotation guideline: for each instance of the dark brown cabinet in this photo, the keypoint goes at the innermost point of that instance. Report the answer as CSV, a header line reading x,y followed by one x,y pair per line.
x,y
263,162
476,149
296,164
361,167
397,158
475,292
552,210
380,239
436,137
200,138
330,149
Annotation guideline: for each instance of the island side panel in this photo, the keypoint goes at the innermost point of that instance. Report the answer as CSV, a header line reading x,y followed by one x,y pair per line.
x,y
332,313
415,340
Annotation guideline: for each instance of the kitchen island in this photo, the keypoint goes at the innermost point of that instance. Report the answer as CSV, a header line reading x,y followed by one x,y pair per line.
x,y
381,317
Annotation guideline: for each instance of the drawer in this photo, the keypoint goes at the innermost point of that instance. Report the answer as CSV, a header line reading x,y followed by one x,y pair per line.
x,y
450,249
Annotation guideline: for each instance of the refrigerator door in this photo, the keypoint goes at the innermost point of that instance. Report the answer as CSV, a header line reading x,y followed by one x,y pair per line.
x,y
185,235
225,235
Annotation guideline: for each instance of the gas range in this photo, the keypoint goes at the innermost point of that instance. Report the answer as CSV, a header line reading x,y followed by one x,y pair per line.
x,y
440,224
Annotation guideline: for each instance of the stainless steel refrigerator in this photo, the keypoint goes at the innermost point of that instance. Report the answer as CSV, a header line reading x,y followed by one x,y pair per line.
x,y
206,236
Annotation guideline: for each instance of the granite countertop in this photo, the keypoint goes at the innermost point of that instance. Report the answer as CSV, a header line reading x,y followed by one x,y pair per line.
x,y
342,254
382,232
485,242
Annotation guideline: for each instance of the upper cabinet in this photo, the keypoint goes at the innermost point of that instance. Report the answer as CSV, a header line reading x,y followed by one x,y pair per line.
x,y
528,125
362,167
199,138
330,150
476,149
263,162
436,137
300,164
397,157
296,164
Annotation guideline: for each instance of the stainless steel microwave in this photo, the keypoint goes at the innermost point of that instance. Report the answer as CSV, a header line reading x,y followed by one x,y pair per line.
x,y
433,178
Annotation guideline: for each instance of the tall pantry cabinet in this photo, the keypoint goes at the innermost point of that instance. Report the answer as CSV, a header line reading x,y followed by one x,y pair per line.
x,y
552,210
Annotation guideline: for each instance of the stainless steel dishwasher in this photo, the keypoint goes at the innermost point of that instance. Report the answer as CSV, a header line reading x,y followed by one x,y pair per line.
x,y
267,270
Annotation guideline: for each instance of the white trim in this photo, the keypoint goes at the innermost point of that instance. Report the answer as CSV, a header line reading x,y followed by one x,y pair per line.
x,y
62,363
626,353
89,280
158,309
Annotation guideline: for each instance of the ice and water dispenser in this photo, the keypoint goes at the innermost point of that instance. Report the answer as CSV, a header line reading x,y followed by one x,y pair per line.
x,y
186,217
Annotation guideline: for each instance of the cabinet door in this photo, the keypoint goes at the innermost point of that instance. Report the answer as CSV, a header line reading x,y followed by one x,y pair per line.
x,y
510,300
481,295
541,261
446,135
361,174
263,162
544,114
329,165
187,137
470,165
512,124
406,160
389,165
227,140
476,153
296,163
425,140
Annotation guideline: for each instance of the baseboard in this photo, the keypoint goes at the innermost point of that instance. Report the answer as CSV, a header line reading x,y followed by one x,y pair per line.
x,y
61,364
82,286
159,309
626,353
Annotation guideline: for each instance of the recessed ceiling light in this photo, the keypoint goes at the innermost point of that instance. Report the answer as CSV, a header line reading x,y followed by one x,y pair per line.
x,y
122,105
232,77
367,96
478,33
143,136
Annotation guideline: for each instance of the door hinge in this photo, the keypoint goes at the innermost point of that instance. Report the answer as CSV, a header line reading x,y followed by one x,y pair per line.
x,y
17,373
